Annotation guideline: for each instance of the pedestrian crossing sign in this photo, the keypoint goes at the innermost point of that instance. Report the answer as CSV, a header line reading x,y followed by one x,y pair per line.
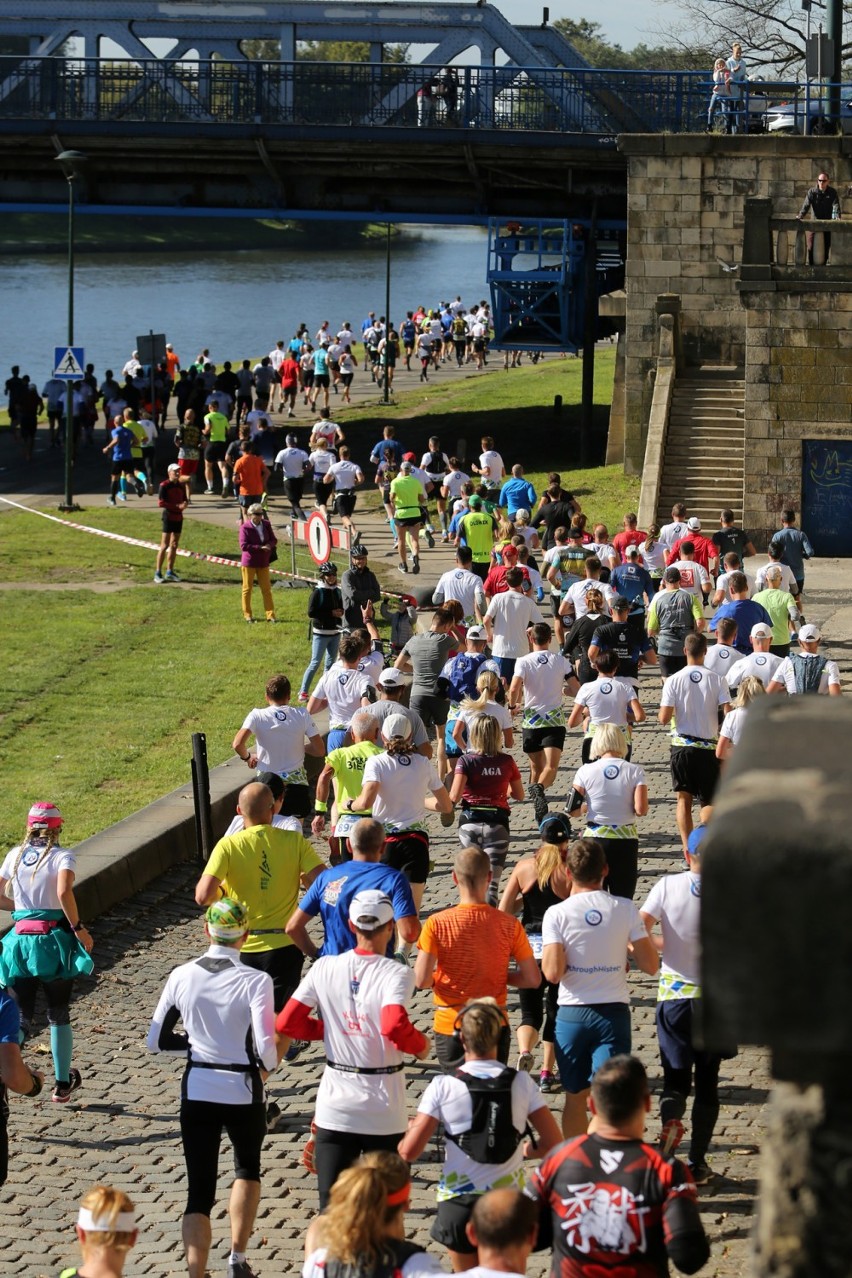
x,y
69,362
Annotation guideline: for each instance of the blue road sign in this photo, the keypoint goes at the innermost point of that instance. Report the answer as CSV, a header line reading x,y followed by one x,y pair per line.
x,y
69,362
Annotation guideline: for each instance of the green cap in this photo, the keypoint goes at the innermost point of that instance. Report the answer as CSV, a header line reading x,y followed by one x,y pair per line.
x,y
227,920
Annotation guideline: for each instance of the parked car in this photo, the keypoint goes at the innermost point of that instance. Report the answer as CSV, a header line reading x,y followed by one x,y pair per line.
x,y
790,117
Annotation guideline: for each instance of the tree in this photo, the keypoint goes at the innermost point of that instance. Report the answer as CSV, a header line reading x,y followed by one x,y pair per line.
x,y
772,32
323,51
586,38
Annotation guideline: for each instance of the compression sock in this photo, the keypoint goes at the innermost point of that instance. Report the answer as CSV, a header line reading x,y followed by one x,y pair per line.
x,y
704,1118
672,1105
445,525
61,1043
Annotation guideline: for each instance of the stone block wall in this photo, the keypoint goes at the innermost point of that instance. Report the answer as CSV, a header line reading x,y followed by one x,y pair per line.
x,y
798,366
685,199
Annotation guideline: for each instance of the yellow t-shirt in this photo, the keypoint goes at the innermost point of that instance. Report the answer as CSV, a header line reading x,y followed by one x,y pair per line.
x,y
261,867
139,436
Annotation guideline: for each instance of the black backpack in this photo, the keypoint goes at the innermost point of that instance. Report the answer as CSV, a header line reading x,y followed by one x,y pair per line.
x,y
388,1265
492,1136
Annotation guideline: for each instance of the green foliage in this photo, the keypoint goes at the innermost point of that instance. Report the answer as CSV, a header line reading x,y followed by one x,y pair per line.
x,y
347,51
586,37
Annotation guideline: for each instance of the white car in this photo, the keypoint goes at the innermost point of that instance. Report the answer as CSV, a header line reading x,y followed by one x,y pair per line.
x,y
789,117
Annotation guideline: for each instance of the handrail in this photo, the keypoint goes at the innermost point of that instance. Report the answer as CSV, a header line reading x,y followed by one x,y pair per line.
x,y
599,102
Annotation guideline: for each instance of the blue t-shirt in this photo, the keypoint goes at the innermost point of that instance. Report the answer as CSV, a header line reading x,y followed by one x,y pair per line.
x,y
746,614
321,362
631,581
123,440
378,453
331,893
517,494
10,1019
797,549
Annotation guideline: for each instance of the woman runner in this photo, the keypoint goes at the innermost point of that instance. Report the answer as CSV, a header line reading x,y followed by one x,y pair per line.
x,y
484,778
106,1231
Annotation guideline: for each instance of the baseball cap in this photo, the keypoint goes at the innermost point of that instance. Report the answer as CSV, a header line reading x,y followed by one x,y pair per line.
x,y
620,604
761,631
173,466
476,632
556,829
406,466
391,678
694,524
44,816
396,725
809,634
632,549
227,920
475,502
695,840
370,910
409,457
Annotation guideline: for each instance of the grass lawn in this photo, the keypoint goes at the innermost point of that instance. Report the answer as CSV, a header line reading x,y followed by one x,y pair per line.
x,y
107,675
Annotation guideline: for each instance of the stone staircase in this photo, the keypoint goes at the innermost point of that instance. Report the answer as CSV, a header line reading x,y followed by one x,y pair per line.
x,y
703,460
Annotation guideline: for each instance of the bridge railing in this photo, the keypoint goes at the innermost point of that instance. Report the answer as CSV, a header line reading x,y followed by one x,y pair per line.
x,y
387,95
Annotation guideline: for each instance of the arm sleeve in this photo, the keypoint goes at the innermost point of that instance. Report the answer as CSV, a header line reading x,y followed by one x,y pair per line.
x,y
686,1242
295,1021
263,1023
396,1026
161,1036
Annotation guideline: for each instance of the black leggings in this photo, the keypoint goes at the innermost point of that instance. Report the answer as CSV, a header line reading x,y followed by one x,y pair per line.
x,y
538,1005
706,1070
622,857
201,1125
335,1151
57,993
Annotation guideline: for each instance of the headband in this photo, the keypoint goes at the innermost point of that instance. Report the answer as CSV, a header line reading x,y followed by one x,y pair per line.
x,y
226,931
124,1222
399,1195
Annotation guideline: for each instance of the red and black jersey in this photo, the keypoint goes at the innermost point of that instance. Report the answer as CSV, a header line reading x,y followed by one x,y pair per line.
x,y
618,1209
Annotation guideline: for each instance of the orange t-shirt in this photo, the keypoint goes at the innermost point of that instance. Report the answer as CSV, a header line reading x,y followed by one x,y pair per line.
x,y
249,472
473,945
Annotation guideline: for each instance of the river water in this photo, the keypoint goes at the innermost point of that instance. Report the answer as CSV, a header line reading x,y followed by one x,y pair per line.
x,y
237,304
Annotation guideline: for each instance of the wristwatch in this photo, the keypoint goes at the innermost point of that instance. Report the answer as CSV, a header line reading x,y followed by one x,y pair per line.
x,y
348,805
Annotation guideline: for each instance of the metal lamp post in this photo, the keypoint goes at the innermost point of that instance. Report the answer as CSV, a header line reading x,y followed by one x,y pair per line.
x,y
71,162
386,380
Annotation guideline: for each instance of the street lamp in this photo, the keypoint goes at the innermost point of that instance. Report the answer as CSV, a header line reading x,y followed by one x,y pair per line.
x,y
71,162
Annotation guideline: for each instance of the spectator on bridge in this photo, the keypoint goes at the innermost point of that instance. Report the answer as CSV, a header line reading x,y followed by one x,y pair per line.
x,y
106,1231
721,93
823,203
737,71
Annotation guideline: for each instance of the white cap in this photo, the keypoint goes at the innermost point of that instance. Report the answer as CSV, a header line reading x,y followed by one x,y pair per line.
x,y
391,678
476,632
809,634
694,524
761,631
370,909
396,725
632,550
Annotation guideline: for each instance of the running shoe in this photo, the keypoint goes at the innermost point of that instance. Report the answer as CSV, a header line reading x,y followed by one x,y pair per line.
x,y
140,490
295,1050
122,496
241,1270
447,819
670,1136
401,957
540,804
415,563
304,698
548,1082
273,1116
403,567
525,1063
62,1091
701,1172
159,578
172,576
430,540
110,501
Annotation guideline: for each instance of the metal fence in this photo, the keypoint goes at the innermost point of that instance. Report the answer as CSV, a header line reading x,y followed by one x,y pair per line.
x,y
366,95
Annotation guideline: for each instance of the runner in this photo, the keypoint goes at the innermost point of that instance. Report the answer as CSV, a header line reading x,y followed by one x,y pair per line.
x,y
541,677
226,1009
484,779
615,793
344,768
485,1108
606,700
14,1072
106,1231
463,585
294,463
325,612
407,495
806,670
120,441
345,476
283,735
48,946
344,690
426,655
216,433
356,1003
363,1226
172,501
540,881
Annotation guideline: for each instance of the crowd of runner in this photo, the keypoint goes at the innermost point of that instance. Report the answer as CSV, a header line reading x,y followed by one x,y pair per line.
x,y
545,626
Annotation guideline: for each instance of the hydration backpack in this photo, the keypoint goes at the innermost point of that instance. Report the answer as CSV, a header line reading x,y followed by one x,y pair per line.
x,y
389,1265
492,1136
807,671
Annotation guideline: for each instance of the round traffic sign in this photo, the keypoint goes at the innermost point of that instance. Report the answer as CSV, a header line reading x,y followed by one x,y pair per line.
x,y
318,537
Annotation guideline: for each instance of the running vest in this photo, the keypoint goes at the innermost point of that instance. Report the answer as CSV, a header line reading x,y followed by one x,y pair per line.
x,y
388,1265
675,619
435,465
807,671
491,1137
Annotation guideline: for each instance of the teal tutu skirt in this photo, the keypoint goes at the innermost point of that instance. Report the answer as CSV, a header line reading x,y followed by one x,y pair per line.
x,y
56,956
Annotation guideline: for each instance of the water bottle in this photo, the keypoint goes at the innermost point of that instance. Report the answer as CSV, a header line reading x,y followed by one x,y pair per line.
x,y
835,212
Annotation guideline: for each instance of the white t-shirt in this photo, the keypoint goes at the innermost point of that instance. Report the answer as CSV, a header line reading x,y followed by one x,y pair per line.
x,y
498,712
733,724
491,466
606,553
787,582
608,785
670,533
511,613
292,460
258,422
607,700
785,674
762,664
280,823
322,459
449,1100
721,659
543,674
371,665
454,481
420,1265
722,583
348,992
280,733
580,589
675,902
404,782
325,429
346,475
34,884
655,558
343,690
425,462
693,577
695,694
594,929
463,586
